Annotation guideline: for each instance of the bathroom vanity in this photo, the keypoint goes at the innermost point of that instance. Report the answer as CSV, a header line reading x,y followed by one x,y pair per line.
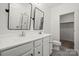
x,y
28,45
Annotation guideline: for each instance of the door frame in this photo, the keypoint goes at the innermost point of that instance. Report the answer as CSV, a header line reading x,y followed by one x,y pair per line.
x,y
73,25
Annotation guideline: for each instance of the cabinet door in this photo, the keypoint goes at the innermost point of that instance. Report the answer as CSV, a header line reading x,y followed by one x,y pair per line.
x,y
17,51
38,51
29,53
46,46
38,43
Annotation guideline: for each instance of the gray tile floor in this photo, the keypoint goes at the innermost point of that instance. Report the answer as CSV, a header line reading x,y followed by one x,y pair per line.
x,y
64,52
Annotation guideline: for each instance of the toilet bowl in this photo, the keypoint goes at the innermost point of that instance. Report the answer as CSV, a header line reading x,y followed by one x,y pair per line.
x,y
56,45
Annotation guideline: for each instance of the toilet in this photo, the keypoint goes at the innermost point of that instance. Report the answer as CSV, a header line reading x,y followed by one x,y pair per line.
x,y
56,45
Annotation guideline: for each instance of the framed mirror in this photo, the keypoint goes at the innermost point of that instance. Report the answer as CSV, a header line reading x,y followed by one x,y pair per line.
x,y
19,16
38,19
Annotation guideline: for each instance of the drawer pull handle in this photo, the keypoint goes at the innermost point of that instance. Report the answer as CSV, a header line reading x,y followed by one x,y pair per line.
x,y
38,52
31,54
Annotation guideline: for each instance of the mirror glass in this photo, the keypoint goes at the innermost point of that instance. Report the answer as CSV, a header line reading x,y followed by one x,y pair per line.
x,y
38,19
19,16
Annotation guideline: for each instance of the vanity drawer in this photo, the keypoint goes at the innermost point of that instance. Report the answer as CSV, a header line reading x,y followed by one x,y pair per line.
x,y
17,51
38,51
38,43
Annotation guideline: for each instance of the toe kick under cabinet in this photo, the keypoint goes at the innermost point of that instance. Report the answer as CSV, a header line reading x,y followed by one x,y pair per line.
x,y
38,47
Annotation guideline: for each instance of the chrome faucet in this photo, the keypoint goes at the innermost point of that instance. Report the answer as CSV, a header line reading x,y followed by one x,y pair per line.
x,y
22,34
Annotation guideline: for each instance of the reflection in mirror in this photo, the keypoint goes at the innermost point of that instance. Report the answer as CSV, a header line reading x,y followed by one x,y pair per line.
x,y
38,19
19,16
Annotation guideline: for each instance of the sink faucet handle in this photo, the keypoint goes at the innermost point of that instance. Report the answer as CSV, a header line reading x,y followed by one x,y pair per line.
x,y
23,33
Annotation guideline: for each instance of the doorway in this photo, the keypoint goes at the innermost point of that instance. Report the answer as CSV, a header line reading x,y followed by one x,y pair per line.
x,y
67,30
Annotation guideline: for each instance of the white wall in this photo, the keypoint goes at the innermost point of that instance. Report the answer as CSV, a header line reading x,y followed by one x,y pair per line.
x,y
67,18
4,19
55,26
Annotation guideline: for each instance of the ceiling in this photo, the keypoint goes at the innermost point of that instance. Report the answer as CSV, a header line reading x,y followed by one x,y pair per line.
x,y
50,5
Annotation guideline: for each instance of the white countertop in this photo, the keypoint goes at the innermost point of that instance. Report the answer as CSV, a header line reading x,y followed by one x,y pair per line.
x,y
8,41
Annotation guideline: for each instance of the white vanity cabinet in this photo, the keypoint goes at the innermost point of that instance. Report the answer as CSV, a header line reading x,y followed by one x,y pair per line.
x,y
38,43
38,51
37,46
29,53
46,46
50,45
19,50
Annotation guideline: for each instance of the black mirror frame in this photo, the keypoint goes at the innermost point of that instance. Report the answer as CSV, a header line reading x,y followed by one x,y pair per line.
x,y
9,19
34,18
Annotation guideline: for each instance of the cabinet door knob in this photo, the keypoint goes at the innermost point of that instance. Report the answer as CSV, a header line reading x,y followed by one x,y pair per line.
x,y
31,54
38,52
